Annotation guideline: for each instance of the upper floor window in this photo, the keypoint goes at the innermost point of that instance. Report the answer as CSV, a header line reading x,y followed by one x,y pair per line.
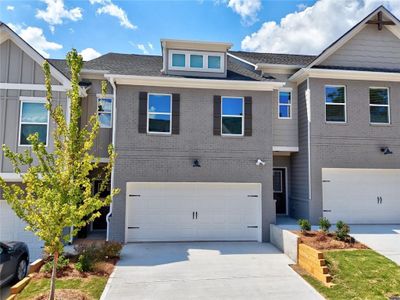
x,y
34,118
232,116
379,106
196,61
104,111
335,104
285,105
178,60
159,113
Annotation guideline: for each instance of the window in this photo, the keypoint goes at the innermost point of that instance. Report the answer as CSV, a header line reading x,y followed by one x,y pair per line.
x,y
196,61
34,118
178,60
159,107
379,105
104,111
214,62
285,105
232,116
335,104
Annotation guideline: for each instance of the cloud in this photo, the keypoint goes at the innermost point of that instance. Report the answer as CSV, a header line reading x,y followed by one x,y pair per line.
x,y
246,9
89,54
109,8
311,30
151,47
143,48
10,7
55,12
34,36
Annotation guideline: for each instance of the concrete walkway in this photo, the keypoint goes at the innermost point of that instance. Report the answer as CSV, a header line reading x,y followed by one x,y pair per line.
x,y
384,239
215,270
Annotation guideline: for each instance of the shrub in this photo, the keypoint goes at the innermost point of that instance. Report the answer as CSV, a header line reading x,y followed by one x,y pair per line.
x,y
88,255
324,225
305,225
111,249
61,264
342,230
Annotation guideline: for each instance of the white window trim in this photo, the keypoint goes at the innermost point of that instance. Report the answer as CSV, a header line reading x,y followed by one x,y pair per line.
x,y
31,100
235,116
285,104
107,96
158,113
379,105
205,61
342,104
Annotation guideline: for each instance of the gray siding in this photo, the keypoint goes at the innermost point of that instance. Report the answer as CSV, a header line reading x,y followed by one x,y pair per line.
x,y
369,48
355,144
143,157
299,198
89,108
285,131
18,67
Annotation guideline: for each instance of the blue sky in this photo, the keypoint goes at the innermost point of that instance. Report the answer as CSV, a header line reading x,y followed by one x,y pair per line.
x,y
292,26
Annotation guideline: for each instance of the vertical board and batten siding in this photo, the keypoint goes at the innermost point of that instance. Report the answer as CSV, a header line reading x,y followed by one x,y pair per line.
x,y
285,131
18,67
89,107
169,158
370,48
298,202
355,144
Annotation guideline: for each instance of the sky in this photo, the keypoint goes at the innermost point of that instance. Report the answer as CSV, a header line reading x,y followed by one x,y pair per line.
x,y
96,27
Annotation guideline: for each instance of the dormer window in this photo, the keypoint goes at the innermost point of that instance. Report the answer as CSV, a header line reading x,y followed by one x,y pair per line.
x,y
197,61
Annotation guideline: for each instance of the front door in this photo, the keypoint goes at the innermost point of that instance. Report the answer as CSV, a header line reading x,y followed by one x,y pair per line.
x,y
279,184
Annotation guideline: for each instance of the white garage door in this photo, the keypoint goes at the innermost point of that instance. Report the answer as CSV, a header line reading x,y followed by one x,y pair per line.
x,y
193,212
361,196
12,228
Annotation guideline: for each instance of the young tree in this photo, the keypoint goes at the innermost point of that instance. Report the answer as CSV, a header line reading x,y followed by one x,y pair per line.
x,y
57,185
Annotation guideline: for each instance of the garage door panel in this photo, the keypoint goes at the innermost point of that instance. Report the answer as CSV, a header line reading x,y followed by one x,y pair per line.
x,y
164,211
361,196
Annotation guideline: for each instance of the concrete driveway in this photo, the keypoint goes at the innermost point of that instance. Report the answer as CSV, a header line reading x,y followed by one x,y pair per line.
x,y
215,270
384,239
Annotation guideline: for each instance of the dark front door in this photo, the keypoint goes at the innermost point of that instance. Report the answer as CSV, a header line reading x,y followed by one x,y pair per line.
x,y
279,183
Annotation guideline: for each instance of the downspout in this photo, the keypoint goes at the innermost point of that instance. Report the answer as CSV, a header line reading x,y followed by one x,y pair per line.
x,y
114,118
308,105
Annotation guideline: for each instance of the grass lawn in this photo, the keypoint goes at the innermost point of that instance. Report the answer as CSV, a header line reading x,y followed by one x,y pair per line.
x,y
93,286
359,274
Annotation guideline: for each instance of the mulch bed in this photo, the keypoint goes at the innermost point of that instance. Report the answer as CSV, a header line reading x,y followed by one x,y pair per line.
x,y
65,294
321,241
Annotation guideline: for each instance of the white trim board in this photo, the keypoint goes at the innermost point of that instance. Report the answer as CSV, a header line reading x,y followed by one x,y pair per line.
x,y
31,87
219,84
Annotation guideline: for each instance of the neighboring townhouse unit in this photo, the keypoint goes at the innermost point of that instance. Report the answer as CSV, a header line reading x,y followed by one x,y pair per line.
x,y
214,144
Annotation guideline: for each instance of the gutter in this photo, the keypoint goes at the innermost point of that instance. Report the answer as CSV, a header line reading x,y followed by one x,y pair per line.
x,y
114,118
197,83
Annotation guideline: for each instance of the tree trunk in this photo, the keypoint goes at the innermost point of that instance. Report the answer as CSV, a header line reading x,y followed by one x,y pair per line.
x,y
53,277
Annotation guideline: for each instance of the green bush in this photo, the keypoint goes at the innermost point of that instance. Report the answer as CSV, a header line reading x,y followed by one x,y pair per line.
x,y
324,225
305,225
111,249
88,255
342,230
61,264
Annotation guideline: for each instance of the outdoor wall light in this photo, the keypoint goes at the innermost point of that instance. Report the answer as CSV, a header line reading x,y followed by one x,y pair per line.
x,y
196,163
386,150
260,163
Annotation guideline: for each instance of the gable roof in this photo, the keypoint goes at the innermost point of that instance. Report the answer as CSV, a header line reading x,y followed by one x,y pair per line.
x,y
351,33
8,33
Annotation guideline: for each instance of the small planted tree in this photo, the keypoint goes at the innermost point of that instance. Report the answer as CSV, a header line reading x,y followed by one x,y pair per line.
x,y
57,185
324,225
305,225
